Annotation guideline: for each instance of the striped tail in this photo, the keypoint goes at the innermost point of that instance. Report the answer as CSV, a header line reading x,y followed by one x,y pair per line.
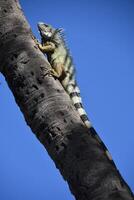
x,y
71,87
74,94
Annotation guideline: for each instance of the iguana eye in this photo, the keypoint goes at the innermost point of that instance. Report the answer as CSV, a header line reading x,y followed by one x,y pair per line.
x,y
46,25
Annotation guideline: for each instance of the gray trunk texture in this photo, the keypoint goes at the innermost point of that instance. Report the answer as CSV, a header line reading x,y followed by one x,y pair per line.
x,y
48,111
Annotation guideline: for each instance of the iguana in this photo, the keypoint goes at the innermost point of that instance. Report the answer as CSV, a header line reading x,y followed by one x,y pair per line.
x,y
53,45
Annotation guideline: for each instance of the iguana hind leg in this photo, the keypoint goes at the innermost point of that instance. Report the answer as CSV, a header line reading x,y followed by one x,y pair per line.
x,y
58,71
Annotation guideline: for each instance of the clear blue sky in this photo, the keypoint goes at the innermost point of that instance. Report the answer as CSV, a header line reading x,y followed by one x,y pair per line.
x,y
100,34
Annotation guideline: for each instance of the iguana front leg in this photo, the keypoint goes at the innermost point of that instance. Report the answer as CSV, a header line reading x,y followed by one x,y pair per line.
x,y
47,47
57,69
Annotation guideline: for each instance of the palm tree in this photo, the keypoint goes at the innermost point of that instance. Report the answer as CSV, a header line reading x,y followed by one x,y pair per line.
x,y
48,111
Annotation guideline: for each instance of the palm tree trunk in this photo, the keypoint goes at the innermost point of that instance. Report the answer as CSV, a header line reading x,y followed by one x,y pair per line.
x,y
48,111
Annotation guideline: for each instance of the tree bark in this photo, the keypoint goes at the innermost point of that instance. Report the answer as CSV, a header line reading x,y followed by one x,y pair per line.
x,y
48,111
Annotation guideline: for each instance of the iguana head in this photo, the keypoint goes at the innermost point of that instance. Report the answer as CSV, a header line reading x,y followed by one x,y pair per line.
x,y
46,31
